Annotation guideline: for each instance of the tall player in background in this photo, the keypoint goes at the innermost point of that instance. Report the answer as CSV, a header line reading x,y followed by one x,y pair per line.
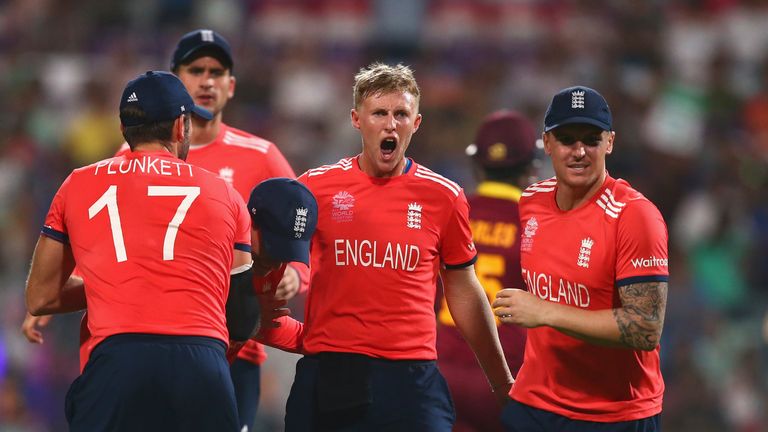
x,y
594,259
154,239
203,61
388,228
503,155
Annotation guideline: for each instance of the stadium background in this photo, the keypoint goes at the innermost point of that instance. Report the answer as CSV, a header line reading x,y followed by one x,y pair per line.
x,y
687,82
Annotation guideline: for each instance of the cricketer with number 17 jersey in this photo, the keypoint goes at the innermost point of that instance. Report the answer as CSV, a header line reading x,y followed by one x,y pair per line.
x,y
141,228
580,258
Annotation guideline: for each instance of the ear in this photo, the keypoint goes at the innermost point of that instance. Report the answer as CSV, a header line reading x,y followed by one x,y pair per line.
x,y
417,122
609,148
355,118
231,90
545,137
178,129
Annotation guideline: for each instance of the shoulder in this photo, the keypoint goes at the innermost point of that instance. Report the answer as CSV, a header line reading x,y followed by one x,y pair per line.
x,y
430,179
621,199
238,138
327,171
539,190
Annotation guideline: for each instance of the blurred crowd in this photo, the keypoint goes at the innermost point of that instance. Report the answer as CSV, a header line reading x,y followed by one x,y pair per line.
x,y
687,81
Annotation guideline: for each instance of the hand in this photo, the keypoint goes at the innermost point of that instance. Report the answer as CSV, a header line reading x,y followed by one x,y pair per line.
x,y
31,325
515,306
501,392
272,309
289,284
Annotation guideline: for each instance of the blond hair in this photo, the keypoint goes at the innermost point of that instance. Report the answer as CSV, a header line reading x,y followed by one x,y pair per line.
x,y
380,78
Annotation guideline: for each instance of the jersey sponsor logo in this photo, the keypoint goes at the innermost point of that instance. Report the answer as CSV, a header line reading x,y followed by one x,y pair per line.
x,y
526,242
342,207
370,253
651,261
585,252
561,291
414,216
144,165
300,224
577,99
227,174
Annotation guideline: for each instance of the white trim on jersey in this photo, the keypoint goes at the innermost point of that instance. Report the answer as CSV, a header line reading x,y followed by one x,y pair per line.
x,y
344,165
608,203
426,173
547,185
255,143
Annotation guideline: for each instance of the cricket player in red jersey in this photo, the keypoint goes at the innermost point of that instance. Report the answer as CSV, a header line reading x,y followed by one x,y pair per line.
x,y
387,229
203,61
594,259
154,239
503,154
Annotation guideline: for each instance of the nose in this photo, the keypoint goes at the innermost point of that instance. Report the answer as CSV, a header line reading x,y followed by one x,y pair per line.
x,y
579,149
391,123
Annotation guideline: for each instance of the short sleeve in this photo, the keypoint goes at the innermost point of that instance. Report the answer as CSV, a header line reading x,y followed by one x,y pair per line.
x,y
55,225
641,253
457,249
242,222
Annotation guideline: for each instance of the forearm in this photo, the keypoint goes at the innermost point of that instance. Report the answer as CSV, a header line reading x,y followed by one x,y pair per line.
x,y
289,336
474,319
303,272
619,327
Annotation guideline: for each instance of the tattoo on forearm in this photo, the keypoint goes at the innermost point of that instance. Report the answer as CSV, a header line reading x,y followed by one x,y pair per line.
x,y
641,316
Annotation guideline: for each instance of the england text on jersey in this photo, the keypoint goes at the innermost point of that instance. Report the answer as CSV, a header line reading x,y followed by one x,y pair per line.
x,y
367,253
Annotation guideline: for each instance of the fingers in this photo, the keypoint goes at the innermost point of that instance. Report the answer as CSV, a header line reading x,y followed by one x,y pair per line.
x,y
29,328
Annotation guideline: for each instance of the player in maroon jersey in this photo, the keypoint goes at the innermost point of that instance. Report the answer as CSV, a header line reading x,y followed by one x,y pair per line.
x,y
594,260
503,154
388,228
155,270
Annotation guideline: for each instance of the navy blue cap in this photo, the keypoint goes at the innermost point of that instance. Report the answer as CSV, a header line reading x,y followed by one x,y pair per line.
x,y
196,40
285,212
578,105
161,96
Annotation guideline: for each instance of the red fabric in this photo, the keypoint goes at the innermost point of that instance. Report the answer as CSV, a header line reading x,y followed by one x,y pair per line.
x,y
578,258
375,257
140,227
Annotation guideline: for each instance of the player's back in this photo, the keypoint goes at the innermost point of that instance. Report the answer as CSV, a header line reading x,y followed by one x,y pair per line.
x,y
153,237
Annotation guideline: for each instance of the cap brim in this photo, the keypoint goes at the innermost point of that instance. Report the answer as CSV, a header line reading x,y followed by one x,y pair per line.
x,y
579,120
202,112
226,57
278,248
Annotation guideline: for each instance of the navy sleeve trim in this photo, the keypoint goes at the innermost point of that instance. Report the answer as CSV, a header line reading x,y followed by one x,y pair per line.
x,y
642,279
243,247
463,265
55,235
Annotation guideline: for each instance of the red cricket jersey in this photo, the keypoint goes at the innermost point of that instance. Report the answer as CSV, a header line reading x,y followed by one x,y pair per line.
x,y
153,239
243,160
376,256
580,258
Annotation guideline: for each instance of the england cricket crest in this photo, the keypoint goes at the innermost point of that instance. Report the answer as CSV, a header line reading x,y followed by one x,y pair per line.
x,y
343,202
414,216
584,252
526,242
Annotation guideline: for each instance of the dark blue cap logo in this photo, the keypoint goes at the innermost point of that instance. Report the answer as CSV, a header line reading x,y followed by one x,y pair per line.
x,y
160,96
197,41
578,105
285,212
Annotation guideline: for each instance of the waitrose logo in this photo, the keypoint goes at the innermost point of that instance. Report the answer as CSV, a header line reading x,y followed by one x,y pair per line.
x,y
651,261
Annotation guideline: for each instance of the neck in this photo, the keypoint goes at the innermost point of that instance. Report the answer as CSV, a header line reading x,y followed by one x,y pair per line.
x,y
204,131
569,198
370,168
154,146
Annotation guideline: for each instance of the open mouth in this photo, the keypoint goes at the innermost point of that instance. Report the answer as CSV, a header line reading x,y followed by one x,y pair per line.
x,y
388,145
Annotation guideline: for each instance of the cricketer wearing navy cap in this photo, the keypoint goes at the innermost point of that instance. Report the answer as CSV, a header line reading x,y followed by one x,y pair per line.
x,y
202,42
578,105
285,213
160,96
